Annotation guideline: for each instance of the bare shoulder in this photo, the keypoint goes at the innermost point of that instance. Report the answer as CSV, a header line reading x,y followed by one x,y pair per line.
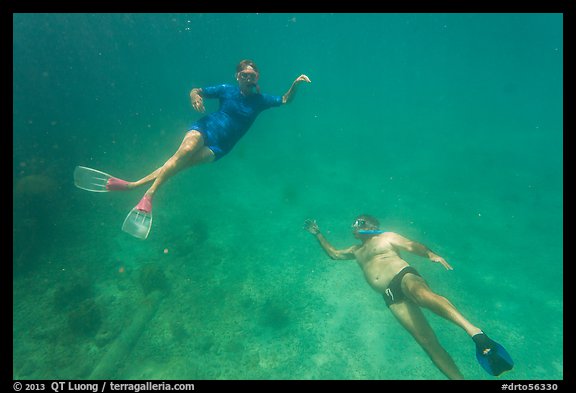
x,y
386,236
393,239
393,236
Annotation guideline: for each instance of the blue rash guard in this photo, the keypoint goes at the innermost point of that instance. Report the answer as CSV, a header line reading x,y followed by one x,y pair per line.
x,y
224,128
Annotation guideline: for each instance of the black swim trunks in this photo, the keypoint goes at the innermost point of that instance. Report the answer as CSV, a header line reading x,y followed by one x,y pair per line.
x,y
393,293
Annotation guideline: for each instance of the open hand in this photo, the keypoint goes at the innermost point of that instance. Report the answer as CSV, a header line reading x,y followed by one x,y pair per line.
x,y
311,226
439,259
302,78
198,103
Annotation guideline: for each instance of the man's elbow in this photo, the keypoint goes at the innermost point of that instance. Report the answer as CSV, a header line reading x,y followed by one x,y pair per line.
x,y
336,256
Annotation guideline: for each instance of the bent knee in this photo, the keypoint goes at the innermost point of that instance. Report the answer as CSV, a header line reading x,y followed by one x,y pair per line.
x,y
194,136
193,140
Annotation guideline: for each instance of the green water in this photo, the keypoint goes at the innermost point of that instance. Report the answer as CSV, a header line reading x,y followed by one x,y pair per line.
x,y
447,127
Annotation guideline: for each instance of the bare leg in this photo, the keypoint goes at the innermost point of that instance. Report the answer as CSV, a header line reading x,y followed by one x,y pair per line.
x,y
420,293
191,152
413,320
205,155
147,178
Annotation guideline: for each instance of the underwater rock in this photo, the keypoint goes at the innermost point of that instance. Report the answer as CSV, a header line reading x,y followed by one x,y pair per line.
x,y
35,186
86,319
72,294
106,335
151,277
179,332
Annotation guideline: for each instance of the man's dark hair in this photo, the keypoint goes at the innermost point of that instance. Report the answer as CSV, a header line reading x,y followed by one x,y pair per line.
x,y
370,220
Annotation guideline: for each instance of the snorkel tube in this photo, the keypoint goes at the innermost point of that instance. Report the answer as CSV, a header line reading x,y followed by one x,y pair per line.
x,y
370,232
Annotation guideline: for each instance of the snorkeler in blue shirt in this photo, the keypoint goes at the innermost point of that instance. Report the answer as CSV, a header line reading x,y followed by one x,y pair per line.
x,y
208,139
222,129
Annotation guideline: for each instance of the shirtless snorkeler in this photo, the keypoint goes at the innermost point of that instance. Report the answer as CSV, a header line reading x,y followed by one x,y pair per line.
x,y
405,291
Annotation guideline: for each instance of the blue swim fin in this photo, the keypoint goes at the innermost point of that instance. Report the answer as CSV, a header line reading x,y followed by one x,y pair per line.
x,y
491,355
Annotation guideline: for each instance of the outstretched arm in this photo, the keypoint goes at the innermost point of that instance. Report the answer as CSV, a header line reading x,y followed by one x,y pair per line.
x,y
286,98
348,253
196,100
417,248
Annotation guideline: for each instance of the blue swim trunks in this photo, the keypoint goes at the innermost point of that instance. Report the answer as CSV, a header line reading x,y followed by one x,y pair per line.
x,y
224,128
